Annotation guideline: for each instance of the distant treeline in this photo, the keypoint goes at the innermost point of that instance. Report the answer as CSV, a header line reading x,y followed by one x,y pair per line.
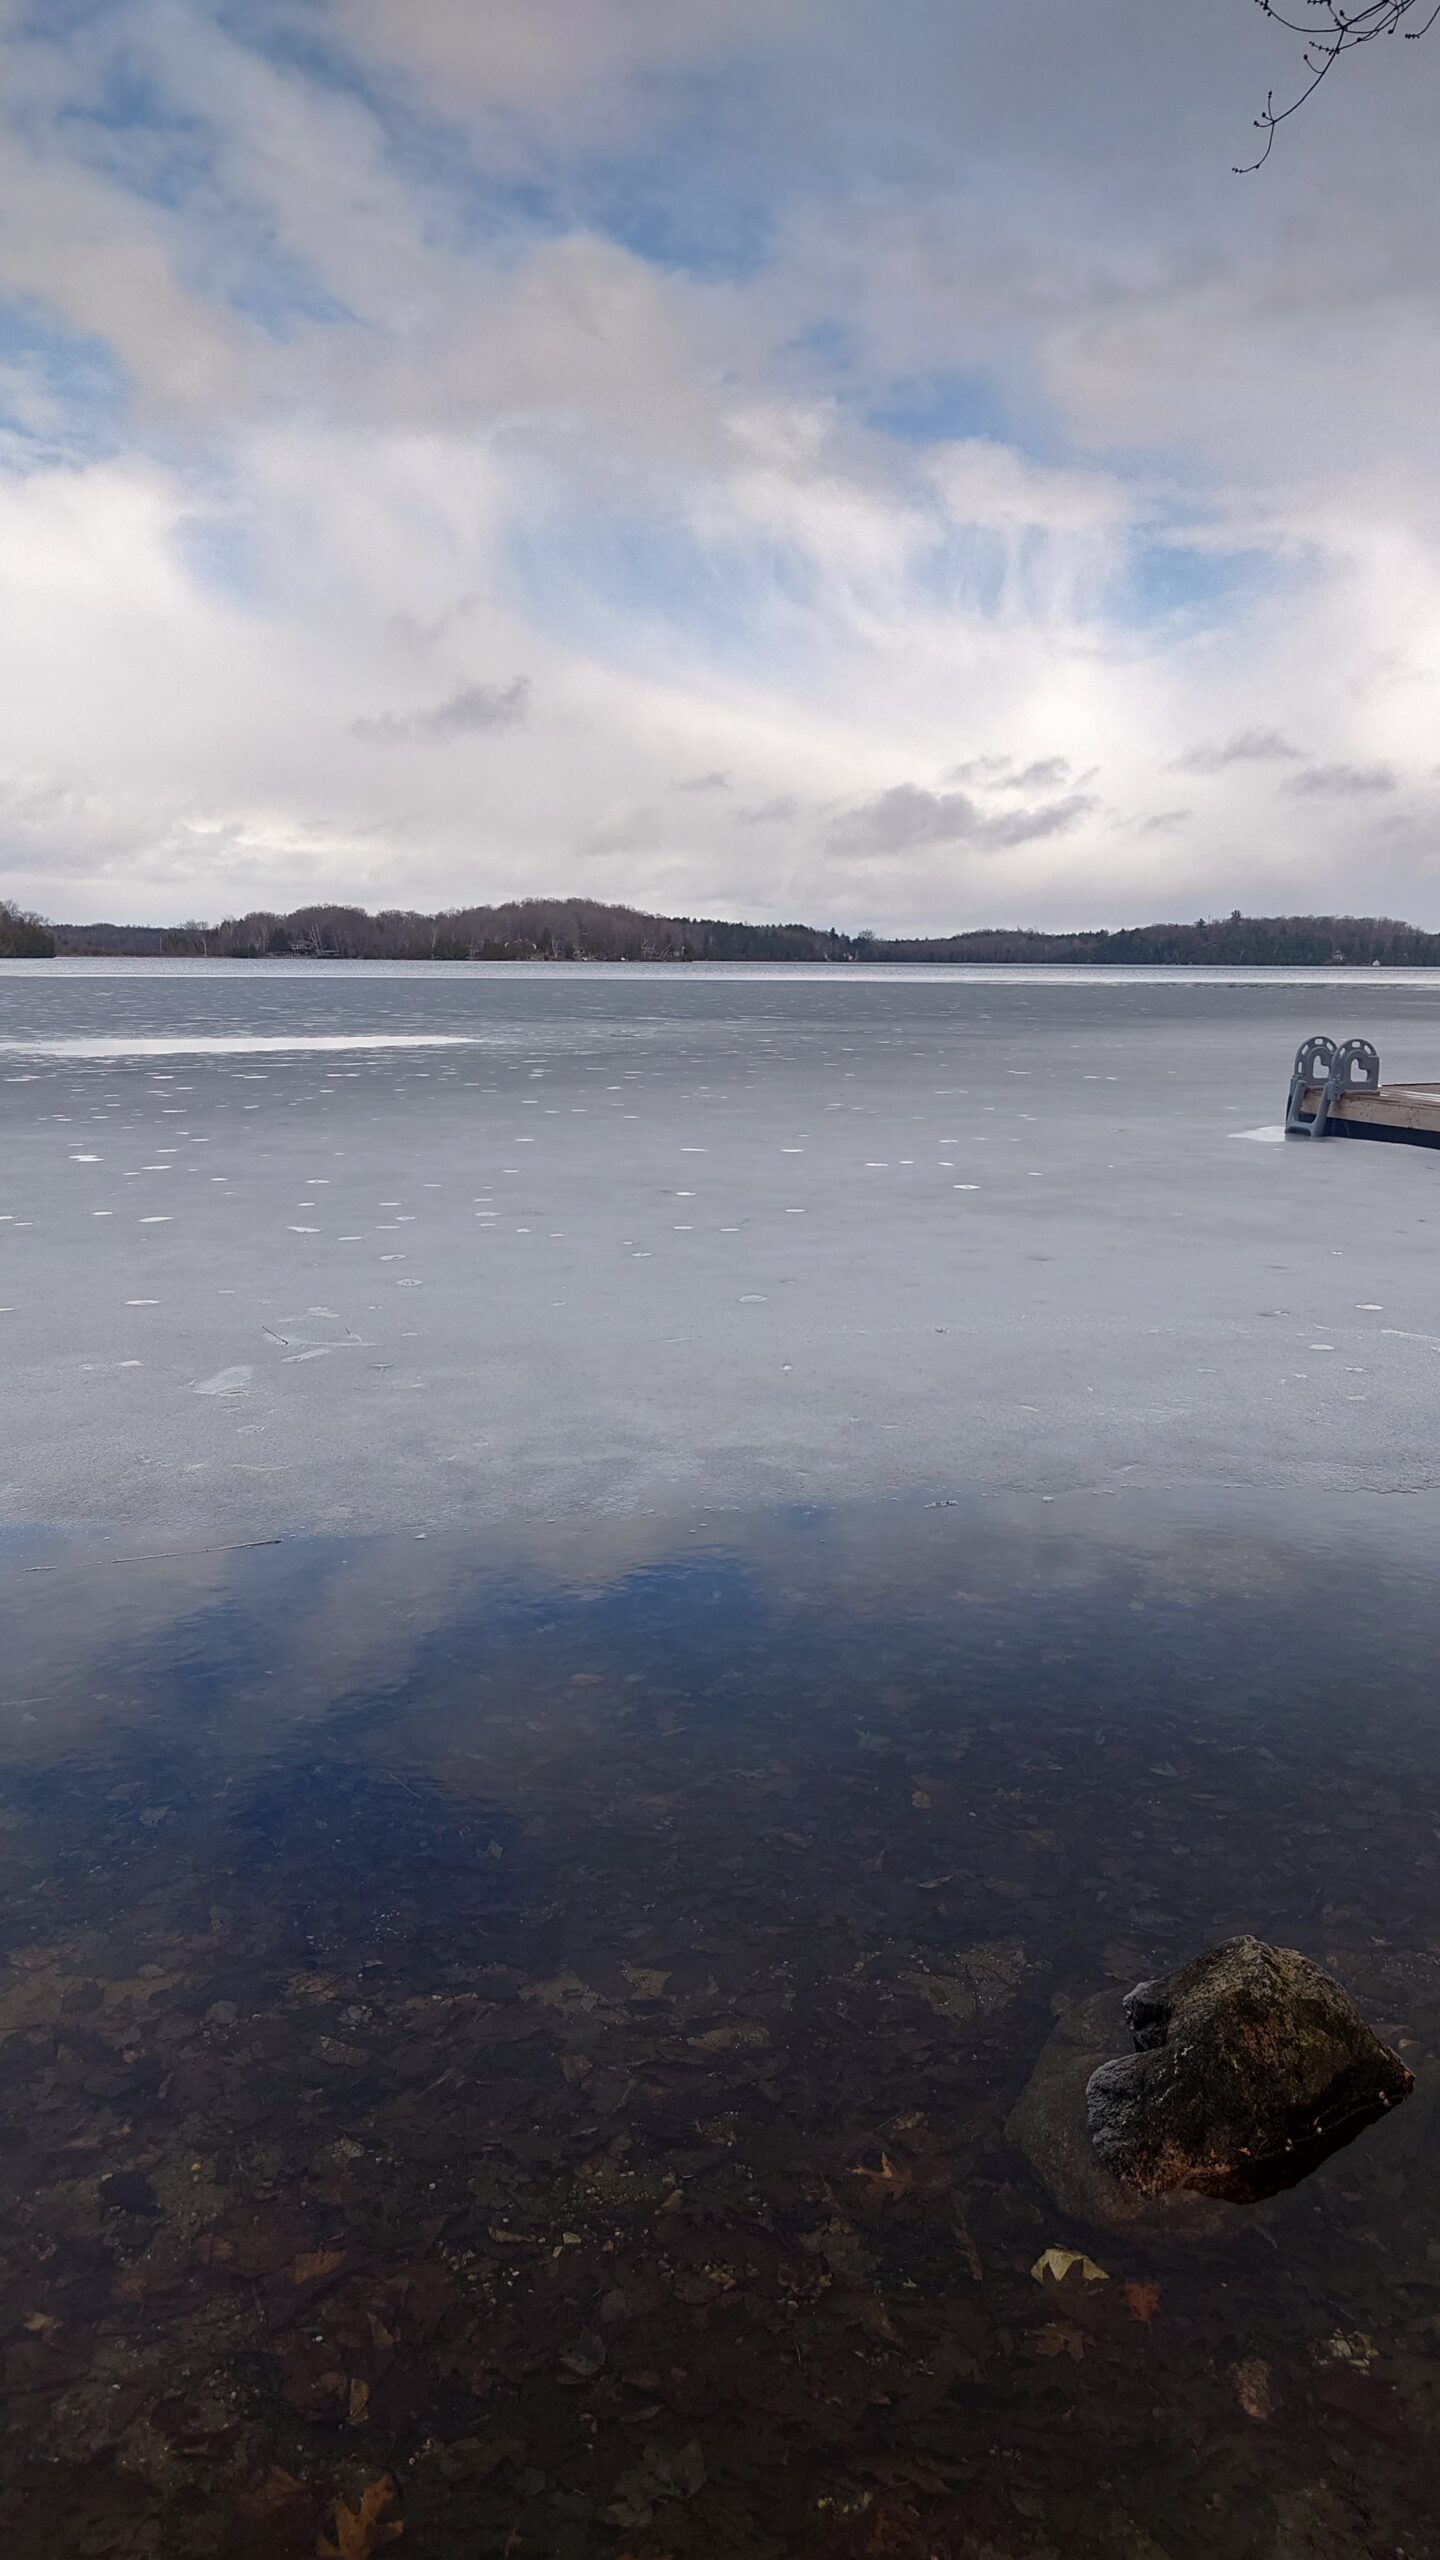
x,y
23,937
526,929
582,929
1233,941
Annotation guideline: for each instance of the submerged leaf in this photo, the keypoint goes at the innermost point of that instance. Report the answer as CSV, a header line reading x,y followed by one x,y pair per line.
x,y
564,1990
887,2180
360,2531
743,2036
1057,2263
647,1981
985,1980
314,2264
1252,2387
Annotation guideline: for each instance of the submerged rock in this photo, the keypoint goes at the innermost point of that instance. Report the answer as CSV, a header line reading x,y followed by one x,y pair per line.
x,y
1048,2125
1250,2067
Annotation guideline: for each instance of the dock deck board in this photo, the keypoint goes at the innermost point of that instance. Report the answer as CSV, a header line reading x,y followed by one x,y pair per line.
x,y
1407,1113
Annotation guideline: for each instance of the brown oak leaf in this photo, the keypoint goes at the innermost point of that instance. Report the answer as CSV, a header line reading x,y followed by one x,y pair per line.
x,y
887,2180
313,2264
360,2531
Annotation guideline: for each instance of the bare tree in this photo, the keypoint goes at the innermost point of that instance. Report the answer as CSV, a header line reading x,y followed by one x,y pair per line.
x,y
1331,30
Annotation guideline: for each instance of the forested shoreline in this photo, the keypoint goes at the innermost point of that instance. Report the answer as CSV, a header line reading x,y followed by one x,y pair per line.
x,y
569,929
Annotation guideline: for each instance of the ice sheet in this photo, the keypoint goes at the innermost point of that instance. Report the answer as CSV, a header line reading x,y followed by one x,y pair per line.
x,y
619,1238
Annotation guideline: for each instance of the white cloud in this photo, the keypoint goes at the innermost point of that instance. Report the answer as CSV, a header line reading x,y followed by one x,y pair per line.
x,y
572,339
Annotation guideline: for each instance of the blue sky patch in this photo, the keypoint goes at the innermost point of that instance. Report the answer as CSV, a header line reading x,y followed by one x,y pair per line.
x,y
61,393
622,582
126,126
222,555
1180,581
947,407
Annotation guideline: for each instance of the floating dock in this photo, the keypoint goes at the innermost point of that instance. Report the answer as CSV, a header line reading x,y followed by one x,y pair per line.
x,y
1336,1092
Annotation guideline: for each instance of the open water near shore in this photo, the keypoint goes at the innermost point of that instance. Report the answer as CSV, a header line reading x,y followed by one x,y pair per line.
x,y
606,1621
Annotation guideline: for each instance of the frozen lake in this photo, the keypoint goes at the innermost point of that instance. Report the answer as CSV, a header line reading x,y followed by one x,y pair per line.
x,y
625,1594
312,1245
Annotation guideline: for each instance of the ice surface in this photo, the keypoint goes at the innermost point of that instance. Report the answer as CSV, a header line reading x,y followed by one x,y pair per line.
x,y
526,1242
241,1044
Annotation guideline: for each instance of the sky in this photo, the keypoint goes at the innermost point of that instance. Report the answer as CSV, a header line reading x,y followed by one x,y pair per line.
x,y
863,461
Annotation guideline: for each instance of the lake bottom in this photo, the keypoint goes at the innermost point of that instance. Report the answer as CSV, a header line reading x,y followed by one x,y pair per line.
x,y
514,2039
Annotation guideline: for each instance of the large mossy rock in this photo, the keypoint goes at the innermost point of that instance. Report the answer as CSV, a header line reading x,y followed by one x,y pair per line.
x,y
1048,2124
1250,2067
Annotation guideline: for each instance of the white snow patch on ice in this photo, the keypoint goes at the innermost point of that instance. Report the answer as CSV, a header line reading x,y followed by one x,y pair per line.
x,y
226,1382
213,1044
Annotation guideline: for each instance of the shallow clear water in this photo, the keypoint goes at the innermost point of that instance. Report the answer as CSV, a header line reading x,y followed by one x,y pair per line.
x,y
531,2007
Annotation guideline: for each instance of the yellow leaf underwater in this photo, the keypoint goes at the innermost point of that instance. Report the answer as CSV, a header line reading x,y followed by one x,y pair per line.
x,y
1058,2264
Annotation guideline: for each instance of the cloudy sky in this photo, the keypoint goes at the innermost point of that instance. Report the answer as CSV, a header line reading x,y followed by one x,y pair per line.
x,y
861,460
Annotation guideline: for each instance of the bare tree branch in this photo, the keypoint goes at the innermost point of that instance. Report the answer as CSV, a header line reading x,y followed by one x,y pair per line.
x,y
1329,31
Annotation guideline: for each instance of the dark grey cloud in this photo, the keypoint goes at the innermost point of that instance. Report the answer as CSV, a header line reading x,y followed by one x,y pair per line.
x,y
1343,781
1002,773
474,709
908,818
985,769
702,782
1050,773
1165,821
1248,746
422,631
769,813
